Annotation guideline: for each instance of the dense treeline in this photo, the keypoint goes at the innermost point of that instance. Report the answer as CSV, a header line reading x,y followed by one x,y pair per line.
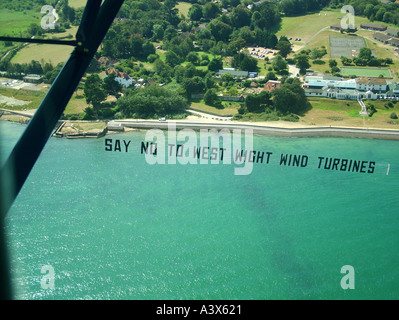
x,y
375,10
151,102
142,22
21,5
297,7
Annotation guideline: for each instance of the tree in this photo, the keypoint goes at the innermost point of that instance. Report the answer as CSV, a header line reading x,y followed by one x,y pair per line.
x,y
258,102
151,102
302,62
215,64
220,31
111,86
193,57
157,32
332,63
94,91
163,70
210,10
245,62
210,97
172,59
284,47
365,53
290,98
279,64
195,12
346,61
193,85
240,17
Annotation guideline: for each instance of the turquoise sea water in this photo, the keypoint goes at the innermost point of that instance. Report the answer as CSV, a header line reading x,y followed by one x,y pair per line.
x,y
113,226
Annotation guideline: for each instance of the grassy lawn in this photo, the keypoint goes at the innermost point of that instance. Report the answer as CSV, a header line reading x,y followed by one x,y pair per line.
x,y
326,112
14,22
77,104
381,50
45,52
77,3
229,110
85,126
306,26
183,8
35,97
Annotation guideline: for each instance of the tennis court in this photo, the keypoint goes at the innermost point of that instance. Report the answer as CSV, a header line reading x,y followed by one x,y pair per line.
x,y
366,72
345,46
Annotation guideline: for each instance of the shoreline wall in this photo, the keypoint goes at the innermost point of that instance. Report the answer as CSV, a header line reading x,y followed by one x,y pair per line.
x,y
272,131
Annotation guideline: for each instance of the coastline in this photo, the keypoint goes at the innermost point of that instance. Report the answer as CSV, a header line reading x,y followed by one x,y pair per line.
x,y
270,128
292,130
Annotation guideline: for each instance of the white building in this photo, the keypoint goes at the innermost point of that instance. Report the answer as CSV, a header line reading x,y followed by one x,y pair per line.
x,y
373,84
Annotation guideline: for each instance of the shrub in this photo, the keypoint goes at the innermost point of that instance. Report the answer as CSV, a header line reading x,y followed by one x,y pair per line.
x,y
393,115
290,117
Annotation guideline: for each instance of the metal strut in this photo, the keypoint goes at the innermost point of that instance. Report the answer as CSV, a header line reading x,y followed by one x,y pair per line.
x,y
97,19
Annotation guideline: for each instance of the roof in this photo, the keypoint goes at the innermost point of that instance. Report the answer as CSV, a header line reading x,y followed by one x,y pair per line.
x,y
336,26
371,81
382,36
314,90
33,76
234,73
393,31
373,26
394,41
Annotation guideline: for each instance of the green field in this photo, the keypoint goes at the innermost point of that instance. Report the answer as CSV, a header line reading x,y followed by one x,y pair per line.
x,y
183,8
77,3
46,52
14,22
229,110
365,72
308,25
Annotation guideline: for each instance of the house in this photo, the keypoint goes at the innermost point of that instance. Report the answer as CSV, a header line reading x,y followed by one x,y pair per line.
x,y
235,73
373,84
105,61
373,26
382,37
271,85
336,27
254,84
392,32
33,78
319,82
315,92
121,77
348,94
386,39
394,42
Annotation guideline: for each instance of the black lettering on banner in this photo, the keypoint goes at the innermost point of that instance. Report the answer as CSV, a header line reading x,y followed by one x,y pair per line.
x,y
152,149
110,145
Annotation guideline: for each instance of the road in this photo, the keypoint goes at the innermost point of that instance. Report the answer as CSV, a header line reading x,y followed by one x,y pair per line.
x,y
209,116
